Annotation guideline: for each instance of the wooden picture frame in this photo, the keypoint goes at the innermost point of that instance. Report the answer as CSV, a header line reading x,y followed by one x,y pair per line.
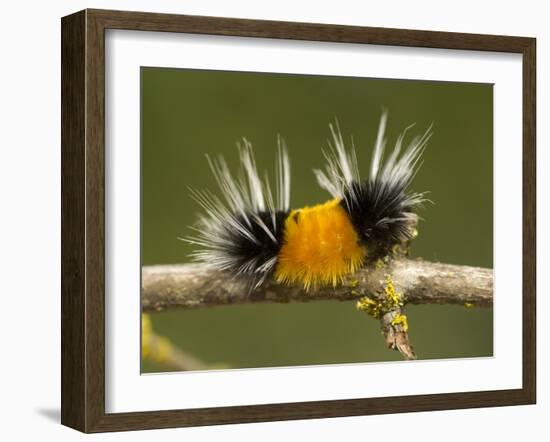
x,y
83,220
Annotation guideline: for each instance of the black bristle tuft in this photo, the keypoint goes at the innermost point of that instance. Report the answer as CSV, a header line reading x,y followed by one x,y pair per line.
x,y
381,212
260,250
381,207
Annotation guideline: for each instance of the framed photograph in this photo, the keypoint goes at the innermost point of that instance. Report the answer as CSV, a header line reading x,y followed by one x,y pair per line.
x,y
270,220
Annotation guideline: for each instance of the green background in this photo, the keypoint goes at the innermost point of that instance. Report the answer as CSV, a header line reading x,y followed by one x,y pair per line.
x,y
187,113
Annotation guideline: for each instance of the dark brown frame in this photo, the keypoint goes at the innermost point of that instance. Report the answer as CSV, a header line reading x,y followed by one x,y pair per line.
x,y
83,215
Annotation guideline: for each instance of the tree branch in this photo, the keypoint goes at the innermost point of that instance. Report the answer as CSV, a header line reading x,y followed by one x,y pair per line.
x,y
396,335
162,351
420,282
405,280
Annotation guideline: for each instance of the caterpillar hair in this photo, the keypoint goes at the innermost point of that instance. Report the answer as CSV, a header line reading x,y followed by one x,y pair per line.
x,y
243,232
251,234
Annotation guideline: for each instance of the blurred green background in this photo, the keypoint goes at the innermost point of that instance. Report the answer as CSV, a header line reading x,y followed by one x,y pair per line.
x,y
187,113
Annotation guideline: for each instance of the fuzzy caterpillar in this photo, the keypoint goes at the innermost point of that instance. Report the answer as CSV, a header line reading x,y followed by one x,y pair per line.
x,y
253,233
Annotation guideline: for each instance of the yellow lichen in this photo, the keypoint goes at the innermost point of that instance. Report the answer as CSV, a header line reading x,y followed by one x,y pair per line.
x,y
153,347
146,331
163,349
370,306
377,307
393,298
401,320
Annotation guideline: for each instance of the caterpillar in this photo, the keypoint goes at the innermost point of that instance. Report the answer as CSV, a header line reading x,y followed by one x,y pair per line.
x,y
253,233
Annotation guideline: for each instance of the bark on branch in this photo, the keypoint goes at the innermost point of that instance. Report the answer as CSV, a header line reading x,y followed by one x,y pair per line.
x,y
420,282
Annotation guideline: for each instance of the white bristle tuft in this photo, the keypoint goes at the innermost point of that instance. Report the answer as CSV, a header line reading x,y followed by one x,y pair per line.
x,y
342,168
